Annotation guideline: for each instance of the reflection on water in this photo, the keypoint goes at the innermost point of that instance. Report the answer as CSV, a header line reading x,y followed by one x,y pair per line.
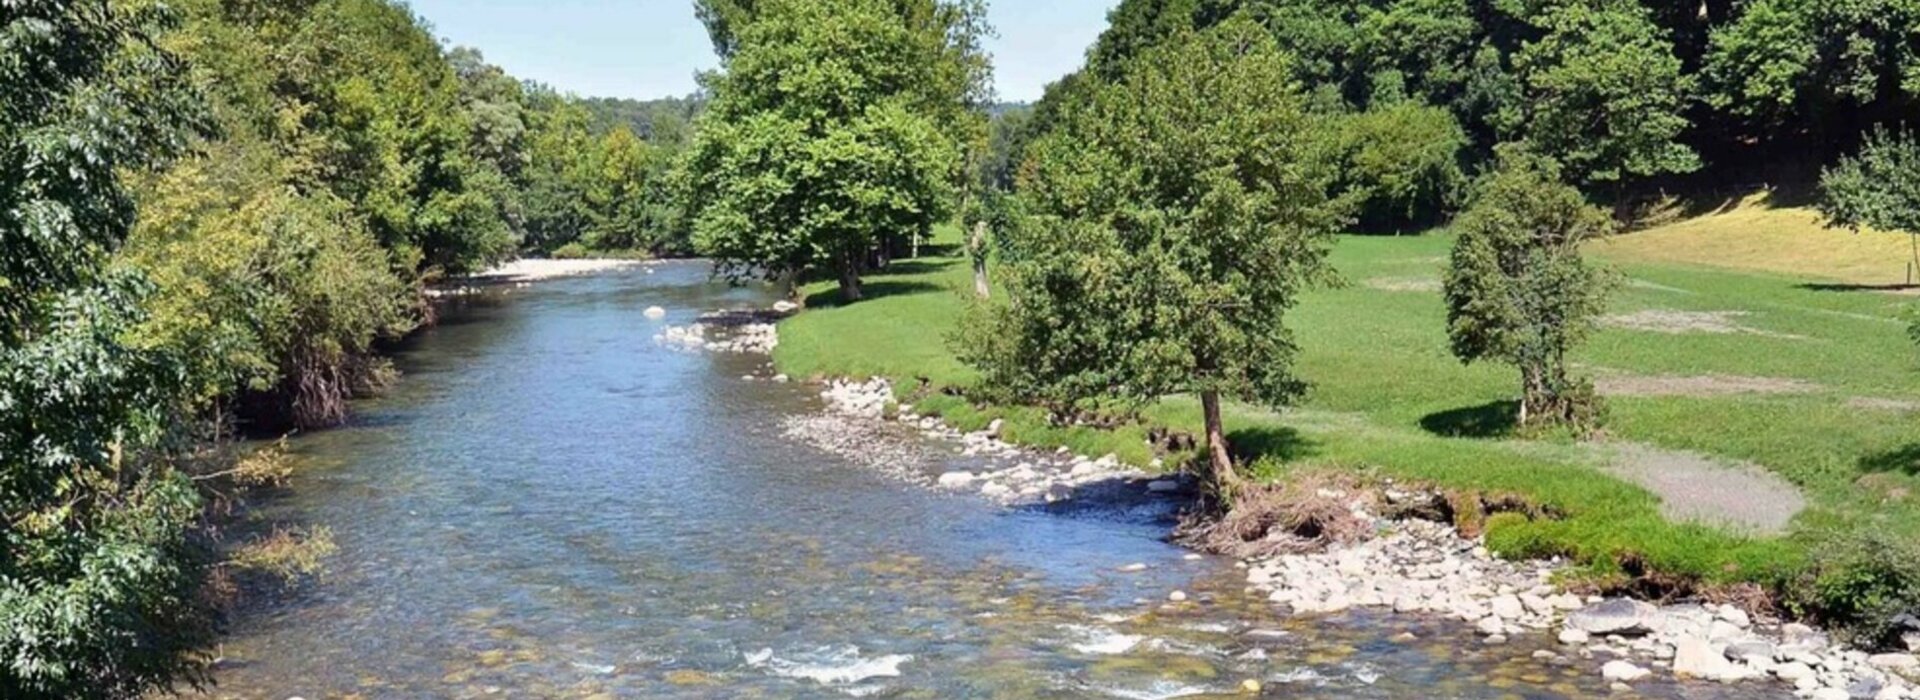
x,y
552,505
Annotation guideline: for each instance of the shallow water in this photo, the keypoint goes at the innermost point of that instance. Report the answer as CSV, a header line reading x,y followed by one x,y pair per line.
x,y
553,505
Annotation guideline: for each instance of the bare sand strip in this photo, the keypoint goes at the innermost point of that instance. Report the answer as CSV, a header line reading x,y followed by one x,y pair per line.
x,y
1699,385
1673,322
535,270
1741,496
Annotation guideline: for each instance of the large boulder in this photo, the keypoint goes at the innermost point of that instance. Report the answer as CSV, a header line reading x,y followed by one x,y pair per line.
x,y
1695,657
1620,616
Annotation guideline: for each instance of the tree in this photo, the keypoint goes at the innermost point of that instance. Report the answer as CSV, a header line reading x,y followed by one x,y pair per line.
x,y
1171,223
1787,67
826,139
1605,93
1400,163
618,194
1877,188
1517,288
97,573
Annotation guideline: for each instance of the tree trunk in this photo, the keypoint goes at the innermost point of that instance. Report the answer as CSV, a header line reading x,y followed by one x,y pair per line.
x,y
1532,390
789,283
977,247
1219,460
850,277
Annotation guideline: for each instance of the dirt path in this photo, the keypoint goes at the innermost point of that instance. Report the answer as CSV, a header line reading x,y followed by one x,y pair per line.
x,y
1694,488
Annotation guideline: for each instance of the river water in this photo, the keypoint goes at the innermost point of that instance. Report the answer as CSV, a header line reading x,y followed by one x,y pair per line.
x,y
552,504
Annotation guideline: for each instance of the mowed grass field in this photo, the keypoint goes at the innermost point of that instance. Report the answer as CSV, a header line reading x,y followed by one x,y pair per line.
x,y
1806,376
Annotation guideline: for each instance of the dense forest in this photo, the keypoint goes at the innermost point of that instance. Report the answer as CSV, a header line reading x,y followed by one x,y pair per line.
x,y
213,213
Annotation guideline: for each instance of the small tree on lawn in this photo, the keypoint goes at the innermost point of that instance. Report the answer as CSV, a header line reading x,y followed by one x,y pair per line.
x,y
1167,228
1877,188
1518,290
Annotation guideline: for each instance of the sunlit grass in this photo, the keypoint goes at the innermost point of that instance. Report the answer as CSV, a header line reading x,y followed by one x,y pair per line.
x,y
1389,399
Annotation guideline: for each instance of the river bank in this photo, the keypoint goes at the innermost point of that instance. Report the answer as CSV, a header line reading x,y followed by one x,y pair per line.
x,y
1418,566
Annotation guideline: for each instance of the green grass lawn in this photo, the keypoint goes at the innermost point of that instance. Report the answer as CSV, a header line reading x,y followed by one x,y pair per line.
x,y
1389,400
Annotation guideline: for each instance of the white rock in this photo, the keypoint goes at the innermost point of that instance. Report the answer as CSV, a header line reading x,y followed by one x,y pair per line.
x,y
1491,625
1133,568
1508,607
1896,663
1623,672
785,307
655,313
1694,657
1177,596
1574,637
1736,616
954,480
1831,694
1792,672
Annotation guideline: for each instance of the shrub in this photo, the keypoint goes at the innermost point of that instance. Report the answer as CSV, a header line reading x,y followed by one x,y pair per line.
x,y
1865,585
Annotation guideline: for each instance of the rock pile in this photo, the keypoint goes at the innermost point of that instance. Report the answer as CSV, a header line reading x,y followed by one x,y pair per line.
x,y
1007,473
754,338
1417,566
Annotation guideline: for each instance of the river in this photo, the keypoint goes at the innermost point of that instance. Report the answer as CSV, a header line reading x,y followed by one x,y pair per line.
x,y
552,504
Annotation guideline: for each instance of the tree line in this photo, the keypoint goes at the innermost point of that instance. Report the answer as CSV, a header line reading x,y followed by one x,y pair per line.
x,y
212,212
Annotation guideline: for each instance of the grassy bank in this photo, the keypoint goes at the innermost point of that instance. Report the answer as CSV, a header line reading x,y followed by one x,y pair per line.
x,y
1388,399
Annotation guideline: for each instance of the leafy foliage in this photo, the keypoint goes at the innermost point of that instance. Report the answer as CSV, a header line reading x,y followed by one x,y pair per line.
x,y
1171,224
1518,290
1877,188
831,135
1399,163
1605,94
96,571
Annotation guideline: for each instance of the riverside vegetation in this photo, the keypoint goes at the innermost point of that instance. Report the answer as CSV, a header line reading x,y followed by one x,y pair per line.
x,y
211,215
215,212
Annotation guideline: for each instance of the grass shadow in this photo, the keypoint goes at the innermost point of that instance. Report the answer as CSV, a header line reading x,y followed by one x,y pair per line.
x,y
1842,287
830,298
915,266
1493,420
1281,443
1904,460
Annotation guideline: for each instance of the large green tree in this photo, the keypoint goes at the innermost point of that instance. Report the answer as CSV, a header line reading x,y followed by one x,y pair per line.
x,y
97,577
1518,290
1172,222
833,135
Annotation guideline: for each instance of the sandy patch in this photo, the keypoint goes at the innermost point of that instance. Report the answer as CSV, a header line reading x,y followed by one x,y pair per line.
x,y
1875,403
1699,385
535,270
1638,283
1685,322
1695,488
1405,284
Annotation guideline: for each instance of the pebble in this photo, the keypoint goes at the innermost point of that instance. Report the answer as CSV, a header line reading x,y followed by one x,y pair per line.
x,y
1623,671
1177,596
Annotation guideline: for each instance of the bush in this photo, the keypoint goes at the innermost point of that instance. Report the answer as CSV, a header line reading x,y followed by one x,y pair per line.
x,y
1865,586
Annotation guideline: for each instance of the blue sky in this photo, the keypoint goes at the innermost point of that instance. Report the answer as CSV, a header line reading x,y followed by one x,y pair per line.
x,y
652,48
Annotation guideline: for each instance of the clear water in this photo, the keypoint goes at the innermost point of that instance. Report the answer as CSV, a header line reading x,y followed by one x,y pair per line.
x,y
552,505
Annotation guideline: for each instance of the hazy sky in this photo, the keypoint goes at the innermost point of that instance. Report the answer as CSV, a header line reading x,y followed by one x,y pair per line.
x,y
652,48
